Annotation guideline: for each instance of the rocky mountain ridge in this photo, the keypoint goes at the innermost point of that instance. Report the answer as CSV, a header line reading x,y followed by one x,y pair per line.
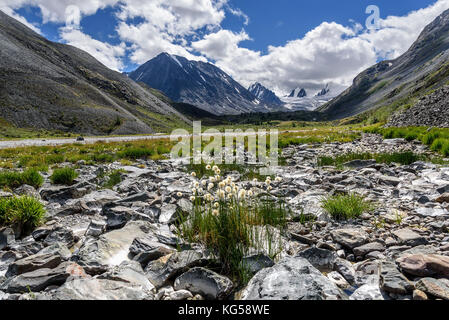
x,y
53,86
395,83
198,83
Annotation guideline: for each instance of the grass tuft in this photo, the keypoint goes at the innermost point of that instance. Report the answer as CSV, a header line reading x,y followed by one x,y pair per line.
x,y
344,207
64,176
13,179
25,212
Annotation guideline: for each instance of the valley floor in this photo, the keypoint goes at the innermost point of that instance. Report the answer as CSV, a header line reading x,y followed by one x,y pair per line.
x,y
122,242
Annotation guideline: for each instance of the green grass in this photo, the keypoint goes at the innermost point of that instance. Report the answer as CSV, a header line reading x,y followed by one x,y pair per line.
x,y
247,172
436,138
14,179
343,207
25,212
44,156
403,158
113,178
64,176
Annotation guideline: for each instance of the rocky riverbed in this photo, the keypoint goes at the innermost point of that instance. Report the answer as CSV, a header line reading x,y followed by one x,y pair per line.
x,y
122,243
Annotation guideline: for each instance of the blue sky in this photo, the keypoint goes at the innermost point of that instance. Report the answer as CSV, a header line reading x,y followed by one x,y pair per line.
x,y
282,43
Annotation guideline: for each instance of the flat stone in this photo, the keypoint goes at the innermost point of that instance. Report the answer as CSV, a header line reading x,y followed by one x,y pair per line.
x,y
34,262
165,268
419,295
59,249
130,272
409,237
338,279
204,282
443,189
257,262
60,234
96,228
321,259
111,248
293,278
392,280
431,212
434,287
40,279
350,237
100,289
146,249
168,213
423,265
367,248
369,291
444,198
390,181
180,295
346,269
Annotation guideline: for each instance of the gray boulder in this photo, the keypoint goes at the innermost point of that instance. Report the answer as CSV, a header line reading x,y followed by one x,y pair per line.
x,y
350,237
100,289
40,279
291,279
204,282
163,269
321,259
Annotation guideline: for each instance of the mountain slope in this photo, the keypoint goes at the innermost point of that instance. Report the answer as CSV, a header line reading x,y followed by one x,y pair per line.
x,y
46,85
197,83
264,95
395,84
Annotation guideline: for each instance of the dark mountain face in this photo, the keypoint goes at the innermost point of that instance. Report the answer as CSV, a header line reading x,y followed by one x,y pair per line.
x,y
197,83
391,84
324,92
265,95
298,93
59,87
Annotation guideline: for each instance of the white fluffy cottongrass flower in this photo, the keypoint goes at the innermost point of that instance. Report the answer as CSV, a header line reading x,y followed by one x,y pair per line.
x,y
278,179
208,167
215,213
228,189
221,185
216,205
250,193
193,174
210,186
197,185
204,183
221,194
179,194
215,168
192,198
211,179
194,190
242,193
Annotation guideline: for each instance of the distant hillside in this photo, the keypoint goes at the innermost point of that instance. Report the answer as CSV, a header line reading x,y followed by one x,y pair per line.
x,y
199,84
52,86
394,85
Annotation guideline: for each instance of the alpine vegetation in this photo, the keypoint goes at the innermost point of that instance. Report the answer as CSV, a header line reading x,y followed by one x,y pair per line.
x,y
234,222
